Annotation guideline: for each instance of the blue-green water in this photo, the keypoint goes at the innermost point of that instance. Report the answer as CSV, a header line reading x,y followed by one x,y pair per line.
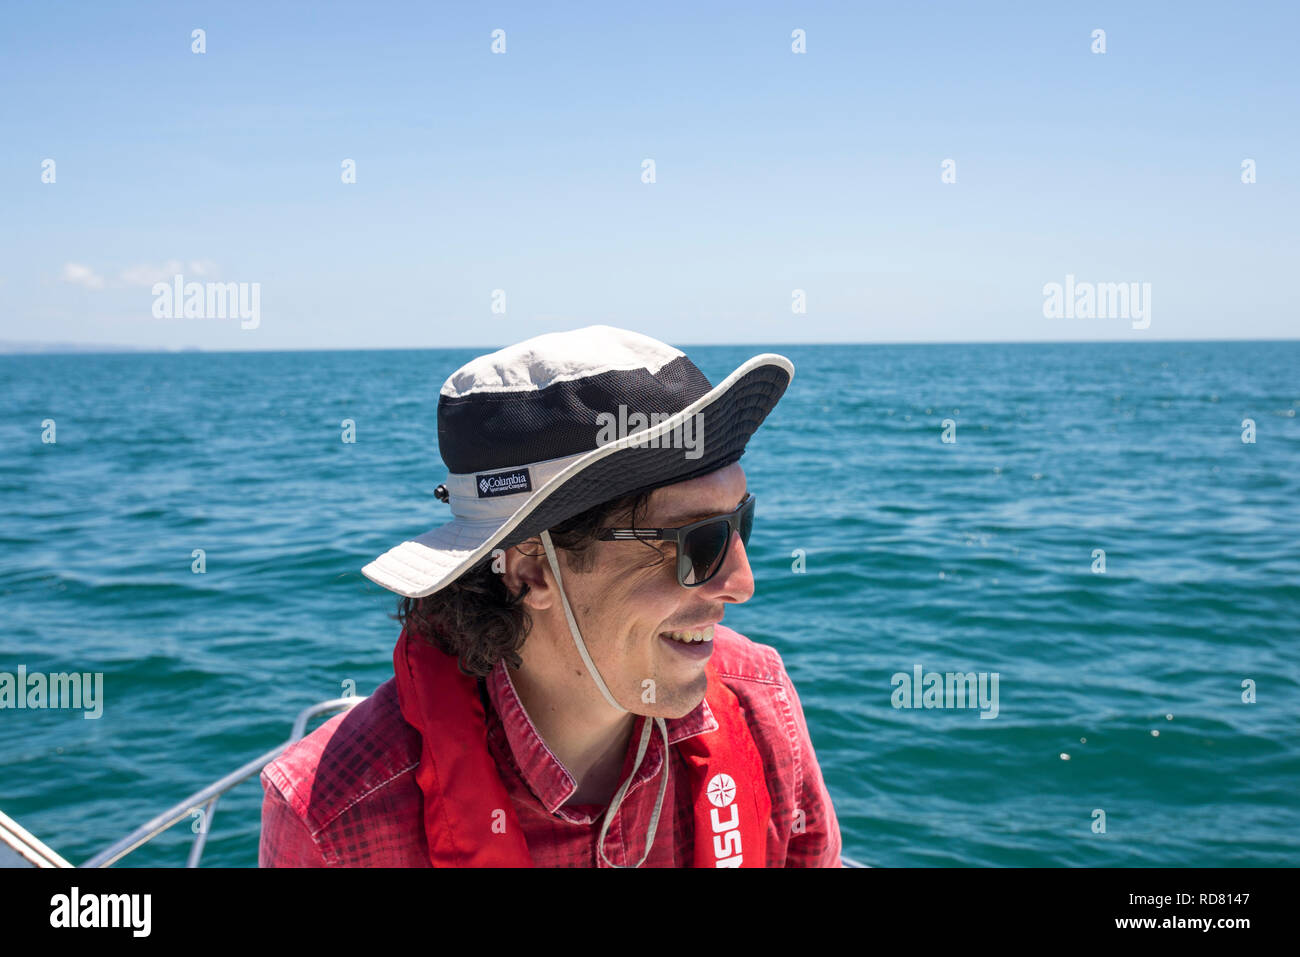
x,y
975,556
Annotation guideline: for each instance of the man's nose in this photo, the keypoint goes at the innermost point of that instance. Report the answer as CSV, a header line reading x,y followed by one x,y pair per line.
x,y
734,581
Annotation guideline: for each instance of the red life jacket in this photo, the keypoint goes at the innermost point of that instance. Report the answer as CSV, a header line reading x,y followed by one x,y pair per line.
x,y
463,789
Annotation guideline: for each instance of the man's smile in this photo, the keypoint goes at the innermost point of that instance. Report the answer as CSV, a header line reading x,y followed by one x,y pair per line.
x,y
695,642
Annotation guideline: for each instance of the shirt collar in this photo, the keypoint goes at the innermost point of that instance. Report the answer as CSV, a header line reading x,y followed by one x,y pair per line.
x,y
542,771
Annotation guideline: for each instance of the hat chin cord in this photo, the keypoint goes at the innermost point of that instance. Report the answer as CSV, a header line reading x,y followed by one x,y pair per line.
x,y
645,731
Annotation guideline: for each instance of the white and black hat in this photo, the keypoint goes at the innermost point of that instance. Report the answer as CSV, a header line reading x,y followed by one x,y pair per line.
x,y
543,430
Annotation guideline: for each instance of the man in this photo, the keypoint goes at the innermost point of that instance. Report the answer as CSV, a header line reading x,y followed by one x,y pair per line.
x,y
564,693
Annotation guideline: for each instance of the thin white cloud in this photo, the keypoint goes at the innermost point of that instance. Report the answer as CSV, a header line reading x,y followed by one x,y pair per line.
x,y
147,274
82,276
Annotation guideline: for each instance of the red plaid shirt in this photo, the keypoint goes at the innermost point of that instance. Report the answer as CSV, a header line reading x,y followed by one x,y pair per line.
x,y
346,794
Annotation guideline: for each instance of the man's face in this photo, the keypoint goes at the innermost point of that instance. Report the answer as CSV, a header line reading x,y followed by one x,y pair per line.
x,y
627,607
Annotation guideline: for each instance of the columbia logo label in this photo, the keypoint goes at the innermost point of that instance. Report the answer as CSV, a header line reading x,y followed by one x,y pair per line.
x,y
504,483
721,793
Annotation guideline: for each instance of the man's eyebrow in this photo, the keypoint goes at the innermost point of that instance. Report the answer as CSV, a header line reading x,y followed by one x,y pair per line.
x,y
685,518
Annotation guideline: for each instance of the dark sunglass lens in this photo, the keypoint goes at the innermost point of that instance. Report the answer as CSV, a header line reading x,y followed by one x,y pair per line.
x,y
747,522
704,547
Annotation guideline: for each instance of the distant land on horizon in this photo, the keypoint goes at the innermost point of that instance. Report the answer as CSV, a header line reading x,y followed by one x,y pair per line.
x,y
14,347
18,347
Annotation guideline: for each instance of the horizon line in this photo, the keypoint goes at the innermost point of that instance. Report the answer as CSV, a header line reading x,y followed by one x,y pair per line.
x,y
30,348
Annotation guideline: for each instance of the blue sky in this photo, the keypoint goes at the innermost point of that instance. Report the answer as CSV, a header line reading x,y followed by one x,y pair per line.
x,y
522,171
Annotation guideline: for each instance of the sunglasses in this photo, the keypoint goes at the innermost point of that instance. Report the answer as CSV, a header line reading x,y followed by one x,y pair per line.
x,y
701,546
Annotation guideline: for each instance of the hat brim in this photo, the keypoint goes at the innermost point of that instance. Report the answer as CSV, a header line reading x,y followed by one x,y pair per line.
x,y
733,411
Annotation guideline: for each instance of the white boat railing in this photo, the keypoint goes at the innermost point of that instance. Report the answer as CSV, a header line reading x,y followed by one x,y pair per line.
x,y
205,801
19,847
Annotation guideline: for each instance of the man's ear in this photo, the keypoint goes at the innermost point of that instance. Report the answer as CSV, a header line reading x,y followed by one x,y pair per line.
x,y
526,565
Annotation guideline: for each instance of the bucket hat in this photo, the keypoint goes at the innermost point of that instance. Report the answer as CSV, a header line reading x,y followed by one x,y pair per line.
x,y
543,430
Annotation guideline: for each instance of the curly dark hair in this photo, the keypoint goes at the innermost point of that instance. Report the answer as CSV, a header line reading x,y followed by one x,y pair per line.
x,y
479,620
